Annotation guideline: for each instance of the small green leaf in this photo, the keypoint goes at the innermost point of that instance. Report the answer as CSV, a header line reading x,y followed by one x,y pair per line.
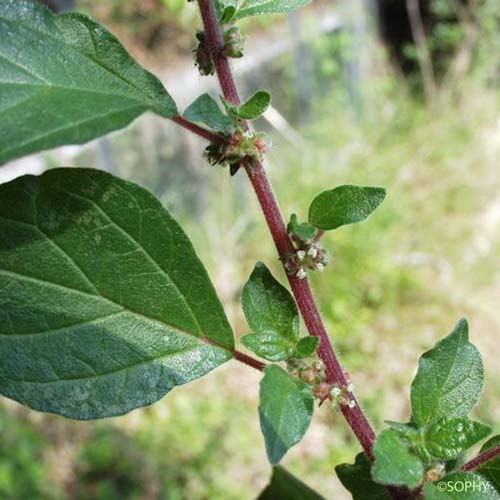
x,y
206,110
357,479
491,469
66,80
449,378
255,106
448,438
394,463
305,347
259,7
269,306
226,9
268,345
407,431
303,231
104,305
344,205
285,486
285,411
460,486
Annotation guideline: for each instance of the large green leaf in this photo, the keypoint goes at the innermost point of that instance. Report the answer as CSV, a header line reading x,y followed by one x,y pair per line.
x,y
259,7
286,486
491,469
64,79
104,305
461,486
344,205
285,411
448,438
394,463
357,479
449,378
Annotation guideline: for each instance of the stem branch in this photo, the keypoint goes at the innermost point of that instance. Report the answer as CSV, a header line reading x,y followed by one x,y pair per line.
x,y
248,360
481,459
300,287
196,129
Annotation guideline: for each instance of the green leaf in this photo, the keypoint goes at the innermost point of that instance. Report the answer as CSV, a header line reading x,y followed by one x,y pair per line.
x,y
255,106
491,469
285,485
285,411
305,347
268,345
394,463
407,431
344,205
260,7
460,486
269,306
104,305
449,437
356,478
226,10
206,110
303,231
66,80
449,378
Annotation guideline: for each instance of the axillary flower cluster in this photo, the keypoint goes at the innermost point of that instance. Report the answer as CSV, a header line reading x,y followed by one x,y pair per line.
x,y
313,373
309,254
238,148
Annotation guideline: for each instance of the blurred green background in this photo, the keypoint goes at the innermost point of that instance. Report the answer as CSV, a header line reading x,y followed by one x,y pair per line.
x,y
350,105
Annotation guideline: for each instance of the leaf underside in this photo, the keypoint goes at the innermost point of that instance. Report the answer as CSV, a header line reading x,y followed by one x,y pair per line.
x,y
104,305
64,79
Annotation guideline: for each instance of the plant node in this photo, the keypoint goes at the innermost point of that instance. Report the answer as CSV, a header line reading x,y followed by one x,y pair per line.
x,y
237,149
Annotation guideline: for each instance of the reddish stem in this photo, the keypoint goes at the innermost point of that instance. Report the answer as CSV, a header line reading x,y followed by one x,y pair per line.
x,y
202,132
481,459
248,360
300,288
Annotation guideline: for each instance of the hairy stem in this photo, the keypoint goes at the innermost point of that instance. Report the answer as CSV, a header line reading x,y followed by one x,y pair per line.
x,y
300,288
248,360
481,459
196,129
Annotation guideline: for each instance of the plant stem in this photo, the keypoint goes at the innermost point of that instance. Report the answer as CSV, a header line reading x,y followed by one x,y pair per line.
x,y
300,287
481,459
202,132
248,360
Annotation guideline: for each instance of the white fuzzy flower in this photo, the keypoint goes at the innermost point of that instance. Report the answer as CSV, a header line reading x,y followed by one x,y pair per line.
x,y
301,274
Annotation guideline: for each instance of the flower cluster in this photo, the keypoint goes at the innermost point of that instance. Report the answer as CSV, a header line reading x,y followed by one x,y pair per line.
x,y
342,395
233,47
313,373
309,256
236,149
202,56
